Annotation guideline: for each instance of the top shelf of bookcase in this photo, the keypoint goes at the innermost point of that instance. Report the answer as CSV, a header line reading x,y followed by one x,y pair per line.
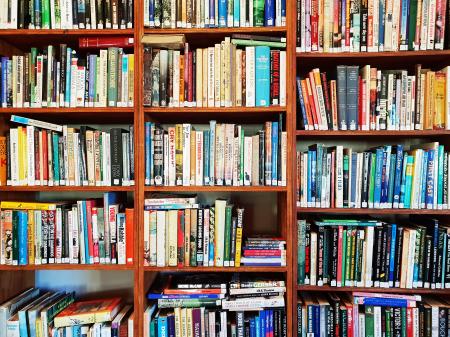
x,y
365,55
218,31
59,32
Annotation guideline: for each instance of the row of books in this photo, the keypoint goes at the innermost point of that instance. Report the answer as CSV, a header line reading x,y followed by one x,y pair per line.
x,y
36,312
367,98
60,77
46,154
381,177
186,155
85,231
206,13
343,252
231,73
371,314
370,26
66,14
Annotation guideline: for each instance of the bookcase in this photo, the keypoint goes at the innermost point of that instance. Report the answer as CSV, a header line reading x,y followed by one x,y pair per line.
x,y
278,200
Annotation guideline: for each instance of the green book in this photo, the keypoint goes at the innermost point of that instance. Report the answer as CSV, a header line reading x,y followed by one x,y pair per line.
x,y
344,256
45,14
369,321
348,262
353,256
113,55
227,247
404,324
387,319
272,44
358,251
301,233
33,75
258,13
412,23
372,177
343,322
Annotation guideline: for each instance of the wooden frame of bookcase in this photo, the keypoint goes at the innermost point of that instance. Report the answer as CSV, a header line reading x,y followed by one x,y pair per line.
x,y
17,278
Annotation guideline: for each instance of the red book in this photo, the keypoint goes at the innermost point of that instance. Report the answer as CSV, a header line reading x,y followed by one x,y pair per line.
x,y
105,42
306,101
275,77
37,161
409,322
311,103
190,79
129,234
89,205
262,252
194,291
180,238
315,100
339,266
314,25
44,155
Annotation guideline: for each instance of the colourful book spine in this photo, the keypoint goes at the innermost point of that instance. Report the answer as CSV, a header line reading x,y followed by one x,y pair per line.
x,y
227,247
85,231
423,180
23,237
403,184
392,255
262,75
258,13
372,179
398,175
429,201
223,6
236,13
206,151
68,77
275,140
148,154
440,178
269,12
378,177
56,175
391,180
408,181
162,327
344,256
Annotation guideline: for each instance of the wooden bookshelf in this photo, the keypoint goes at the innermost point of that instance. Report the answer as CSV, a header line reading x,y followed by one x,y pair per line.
x,y
372,134
418,291
372,211
218,31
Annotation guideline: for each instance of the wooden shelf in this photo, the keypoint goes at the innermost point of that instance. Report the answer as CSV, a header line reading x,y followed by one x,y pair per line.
x,y
385,54
61,32
64,266
67,188
215,188
210,31
242,269
374,211
380,133
374,290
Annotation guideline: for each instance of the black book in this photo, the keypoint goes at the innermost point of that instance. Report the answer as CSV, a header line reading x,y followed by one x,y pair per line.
x,y
200,237
388,253
447,266
397,322
363,25
123,16
232,241
65,234
62,69
158,155
384,247
81,14
26,82
83,152
283,323
88,20
365,182
420,258
398,256
299,319
107,13
130,14
240,324
326,256
427,261
51,235
376,265
262,147
442,330
75,14
320,252
100,14
116,157
308,253
132,152
440,256
445,182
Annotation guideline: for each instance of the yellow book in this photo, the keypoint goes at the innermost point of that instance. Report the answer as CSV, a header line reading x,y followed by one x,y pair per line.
x,y
439,101
179,154
39,327
41,206
3,165
31,236
183,319
237,257
131,79
24,155
429,100
181,98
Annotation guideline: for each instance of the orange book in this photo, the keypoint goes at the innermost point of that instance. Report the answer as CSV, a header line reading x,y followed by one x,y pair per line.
x,y
181,80
88,312
129,228
3,163
439,101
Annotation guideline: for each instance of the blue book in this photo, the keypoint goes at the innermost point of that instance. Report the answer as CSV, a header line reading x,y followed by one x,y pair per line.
x,y
68,76
162,326
252,327
86,234
171,325
4,74
378,173
440,177
385,174
381,25
302,103
311,178
76,331
283,11
92,76
222,12
444,259
353,173
398,175
23,237
151,12
267,322
212,13
385,302
206,157
408,181
55,140
403,180
258,326
236,13
430,180
262,317
271,322
423,180
404,22
275,140
318,174
148,154
391,180
262,76
269,13
317,320
392,255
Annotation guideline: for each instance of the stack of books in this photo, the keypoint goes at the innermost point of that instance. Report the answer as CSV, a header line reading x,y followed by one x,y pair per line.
x,y
223,155
382,177
367,98
211,14
60,77
211,306
342,252
264,251
180,232
36,312
66,14
85,231
235,72
370,26
46,154
371,314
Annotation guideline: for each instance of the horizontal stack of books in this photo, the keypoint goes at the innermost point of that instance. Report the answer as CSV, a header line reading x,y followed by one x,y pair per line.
x,y
180,232
264,251
211,14
222,155
343,252
47,154
36,312
371,314
86,232
212,306
66,14
370,26
235,72
367,98
382,177
60,77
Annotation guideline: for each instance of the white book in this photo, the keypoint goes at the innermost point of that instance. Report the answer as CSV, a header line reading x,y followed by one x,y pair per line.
x,y
283,71
219,154
212,151
424,25
160,238
211,76
248,161
171,236
147,238
14,148
217,74
238,77
20,78
361,322
243,13
199,158
219,232
73,84
237,157
14,11
176,78
186,154
431,24
166,159
121,241
255,303
30,156
369,257
313,263
75,259
388,26
102,87
250,76
250,14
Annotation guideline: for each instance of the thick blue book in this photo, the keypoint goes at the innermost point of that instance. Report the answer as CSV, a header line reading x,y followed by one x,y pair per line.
x,y
4,93
23,237
378,173
423,180
76,331
318,184
398,149
430,180
162,326
271,322
403,180
269,12
223,15
440,177
252,327
275,140
385,174
151,11
258,326
262,75
392,255
385,302
68,76
391,180
381,24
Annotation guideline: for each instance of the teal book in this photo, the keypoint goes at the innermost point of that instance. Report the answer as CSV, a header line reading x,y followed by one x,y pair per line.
x,y
408,181
440,179
55,139
301,233
162,326
113,56
262,75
